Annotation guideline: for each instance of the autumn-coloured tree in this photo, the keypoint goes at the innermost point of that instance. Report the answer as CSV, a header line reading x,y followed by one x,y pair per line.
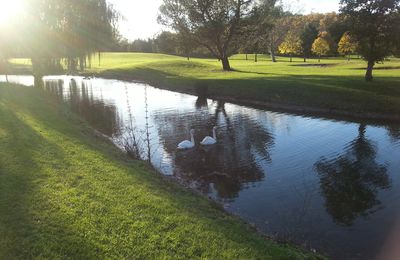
x,y
347,45
291,45
320,47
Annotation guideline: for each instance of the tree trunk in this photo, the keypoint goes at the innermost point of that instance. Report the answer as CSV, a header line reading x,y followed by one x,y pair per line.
x,y
225,64
37,71
291,59
247,57
256,57
305,58
82,63
6,68
272,49
99,58
368,74
273,58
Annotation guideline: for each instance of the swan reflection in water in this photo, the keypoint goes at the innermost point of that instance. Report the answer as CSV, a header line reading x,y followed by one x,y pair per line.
x,y
234,162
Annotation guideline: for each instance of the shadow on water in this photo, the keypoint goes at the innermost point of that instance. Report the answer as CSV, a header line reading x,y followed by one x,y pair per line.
x,y
350,182
101,115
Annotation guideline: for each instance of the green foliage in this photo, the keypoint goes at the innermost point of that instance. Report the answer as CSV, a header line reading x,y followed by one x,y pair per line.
x,y
374,26
67,193
167,42
212,24
255,29
307,37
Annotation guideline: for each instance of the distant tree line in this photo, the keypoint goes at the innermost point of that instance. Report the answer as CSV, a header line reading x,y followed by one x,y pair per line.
x,y
166,42
285,33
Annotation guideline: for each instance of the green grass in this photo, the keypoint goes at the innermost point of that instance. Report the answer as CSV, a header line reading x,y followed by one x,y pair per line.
x,y
340,86
67,193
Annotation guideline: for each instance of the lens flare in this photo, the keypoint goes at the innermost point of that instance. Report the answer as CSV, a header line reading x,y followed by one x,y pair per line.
x,y
10,10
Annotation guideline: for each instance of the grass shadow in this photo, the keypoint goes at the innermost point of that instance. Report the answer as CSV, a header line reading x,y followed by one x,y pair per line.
x,y
29,220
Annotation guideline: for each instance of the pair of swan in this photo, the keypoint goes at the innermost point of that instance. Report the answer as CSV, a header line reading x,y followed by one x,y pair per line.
x,y
208,140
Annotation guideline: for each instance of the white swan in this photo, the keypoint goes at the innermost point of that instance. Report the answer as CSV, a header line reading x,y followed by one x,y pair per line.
x,y
208,140
187,144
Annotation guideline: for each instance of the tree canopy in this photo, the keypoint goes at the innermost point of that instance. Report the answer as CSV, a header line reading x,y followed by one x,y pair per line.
x,y
307,37
53,30
211,23
373,26
320,47
291,45
347,44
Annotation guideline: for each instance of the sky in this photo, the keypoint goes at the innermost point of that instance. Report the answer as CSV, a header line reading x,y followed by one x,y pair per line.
x,y
140,16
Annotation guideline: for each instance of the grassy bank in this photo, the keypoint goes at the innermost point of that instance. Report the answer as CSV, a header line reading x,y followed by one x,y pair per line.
x,y
337,87
67,193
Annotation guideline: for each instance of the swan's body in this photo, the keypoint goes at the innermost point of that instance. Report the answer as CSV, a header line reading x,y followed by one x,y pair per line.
x,y
185,145
208,140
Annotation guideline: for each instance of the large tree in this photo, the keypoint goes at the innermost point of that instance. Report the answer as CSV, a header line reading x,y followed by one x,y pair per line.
x,y
373,27
55,30
211,23
255,28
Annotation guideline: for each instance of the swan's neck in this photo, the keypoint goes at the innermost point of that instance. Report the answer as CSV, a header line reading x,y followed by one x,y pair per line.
x,y
191,137
214,134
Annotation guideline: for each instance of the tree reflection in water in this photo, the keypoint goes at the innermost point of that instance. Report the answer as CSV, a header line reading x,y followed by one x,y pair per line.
x,y
350,182
229,166
394,132
101,115
201,103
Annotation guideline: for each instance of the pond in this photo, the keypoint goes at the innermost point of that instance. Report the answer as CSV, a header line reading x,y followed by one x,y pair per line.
x,y
331,185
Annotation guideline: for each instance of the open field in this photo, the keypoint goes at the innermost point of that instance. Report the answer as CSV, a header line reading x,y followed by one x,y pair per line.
x,y
67,193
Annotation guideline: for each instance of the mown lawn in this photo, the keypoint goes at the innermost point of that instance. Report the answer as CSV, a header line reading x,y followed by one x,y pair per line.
x,y
67,193
338,84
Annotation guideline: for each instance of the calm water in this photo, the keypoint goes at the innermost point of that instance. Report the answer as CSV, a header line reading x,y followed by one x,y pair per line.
x,y
327,184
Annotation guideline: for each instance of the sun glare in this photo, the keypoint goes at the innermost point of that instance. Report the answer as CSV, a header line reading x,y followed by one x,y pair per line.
x,y
10,10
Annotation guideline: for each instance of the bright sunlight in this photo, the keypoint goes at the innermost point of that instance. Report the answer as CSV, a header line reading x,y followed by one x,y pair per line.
x,y
10,10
